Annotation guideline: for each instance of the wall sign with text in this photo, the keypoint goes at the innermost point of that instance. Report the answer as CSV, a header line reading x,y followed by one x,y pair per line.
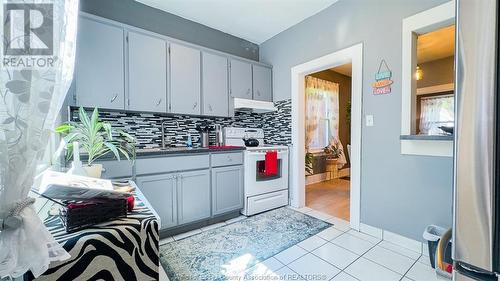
x,y
383,80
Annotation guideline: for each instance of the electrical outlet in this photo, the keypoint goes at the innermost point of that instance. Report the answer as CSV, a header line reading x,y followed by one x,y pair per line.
x,y
369,121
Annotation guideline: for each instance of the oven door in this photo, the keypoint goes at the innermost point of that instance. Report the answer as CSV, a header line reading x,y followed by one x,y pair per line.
x,y
256,181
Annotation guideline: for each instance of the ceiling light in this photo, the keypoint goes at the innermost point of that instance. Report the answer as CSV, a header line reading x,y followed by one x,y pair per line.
x,y
419,73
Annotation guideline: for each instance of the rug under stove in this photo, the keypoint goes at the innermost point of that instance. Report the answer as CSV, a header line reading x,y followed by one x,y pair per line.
x,y
225,252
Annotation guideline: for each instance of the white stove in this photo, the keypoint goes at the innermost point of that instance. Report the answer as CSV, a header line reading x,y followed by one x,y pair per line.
x,y
261,192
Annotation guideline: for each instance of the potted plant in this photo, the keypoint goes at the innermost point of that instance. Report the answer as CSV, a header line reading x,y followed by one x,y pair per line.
x,y
333,150
309,158
96,139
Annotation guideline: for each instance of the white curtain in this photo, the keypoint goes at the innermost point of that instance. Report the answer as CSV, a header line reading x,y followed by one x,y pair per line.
x,y
435,112
322,115
30,101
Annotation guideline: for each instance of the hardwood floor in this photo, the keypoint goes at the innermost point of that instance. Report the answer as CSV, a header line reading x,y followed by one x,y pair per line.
x,y
331,197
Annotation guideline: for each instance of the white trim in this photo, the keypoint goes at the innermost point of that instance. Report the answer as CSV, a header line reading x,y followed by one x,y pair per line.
x,y
371,230
402,241
317,178
436,89
419,247
442,148
437,17
352,54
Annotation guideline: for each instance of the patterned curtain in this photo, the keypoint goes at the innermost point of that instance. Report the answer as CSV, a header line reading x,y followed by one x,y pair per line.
x,y
322,115
436,112
31,97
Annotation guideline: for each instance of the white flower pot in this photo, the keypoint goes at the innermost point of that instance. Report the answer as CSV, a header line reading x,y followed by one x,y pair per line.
x,y
93,170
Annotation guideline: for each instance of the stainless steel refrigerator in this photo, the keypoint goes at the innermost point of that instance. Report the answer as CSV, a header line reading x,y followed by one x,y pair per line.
x,y
476,226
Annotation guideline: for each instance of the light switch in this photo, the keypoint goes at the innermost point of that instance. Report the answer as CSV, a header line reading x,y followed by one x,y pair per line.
x,y
369,121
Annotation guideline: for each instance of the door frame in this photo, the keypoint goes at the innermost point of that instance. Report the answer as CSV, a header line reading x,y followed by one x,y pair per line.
x,y
352,54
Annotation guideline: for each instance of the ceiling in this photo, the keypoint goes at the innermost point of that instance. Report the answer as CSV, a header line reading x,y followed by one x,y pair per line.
x,y
253,20
436,45
345,69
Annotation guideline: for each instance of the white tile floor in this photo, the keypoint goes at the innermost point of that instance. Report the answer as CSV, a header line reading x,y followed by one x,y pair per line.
x,y
338,253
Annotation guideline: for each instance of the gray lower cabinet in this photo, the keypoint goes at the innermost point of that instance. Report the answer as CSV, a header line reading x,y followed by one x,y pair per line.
x,y
185,79
147,73
215,86
262,85
161,192
241,79
99,67
193,196
227,189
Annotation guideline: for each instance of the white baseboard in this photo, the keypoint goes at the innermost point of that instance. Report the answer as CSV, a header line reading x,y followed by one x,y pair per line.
x,y
400,240
370,230
346,172
316,178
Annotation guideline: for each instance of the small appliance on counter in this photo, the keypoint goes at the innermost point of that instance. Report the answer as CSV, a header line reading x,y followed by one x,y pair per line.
x,y
266,170
219,138
204,130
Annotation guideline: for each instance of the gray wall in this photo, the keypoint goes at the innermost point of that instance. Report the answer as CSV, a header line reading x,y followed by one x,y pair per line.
x,y
437,72
142,16
399,193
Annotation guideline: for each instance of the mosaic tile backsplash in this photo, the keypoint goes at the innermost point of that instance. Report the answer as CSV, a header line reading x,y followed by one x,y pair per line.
x,y
146,127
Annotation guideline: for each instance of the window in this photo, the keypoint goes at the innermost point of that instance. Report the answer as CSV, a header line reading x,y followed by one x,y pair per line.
x,y
322,112
319,136
428,50
436,114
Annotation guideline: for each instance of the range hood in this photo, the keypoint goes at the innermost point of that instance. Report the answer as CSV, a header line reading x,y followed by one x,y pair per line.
x,y
255,106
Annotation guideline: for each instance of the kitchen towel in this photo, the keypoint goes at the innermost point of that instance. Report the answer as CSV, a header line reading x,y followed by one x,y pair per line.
x,y
271,163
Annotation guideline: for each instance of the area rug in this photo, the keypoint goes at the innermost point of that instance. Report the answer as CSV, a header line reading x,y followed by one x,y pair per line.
x,y
225,252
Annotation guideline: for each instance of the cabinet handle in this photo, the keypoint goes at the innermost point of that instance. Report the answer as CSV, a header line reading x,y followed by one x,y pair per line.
x,y
210,107
114,98
158,102
229,158
195,105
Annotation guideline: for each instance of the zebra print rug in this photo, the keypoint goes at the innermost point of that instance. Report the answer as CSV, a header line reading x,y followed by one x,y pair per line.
x,y
225,252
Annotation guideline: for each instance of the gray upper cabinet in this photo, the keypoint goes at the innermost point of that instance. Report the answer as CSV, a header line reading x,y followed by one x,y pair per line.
x,y
241,79
227,189
161,193
215,85
262,85
193,196
147,73
99,65
185,80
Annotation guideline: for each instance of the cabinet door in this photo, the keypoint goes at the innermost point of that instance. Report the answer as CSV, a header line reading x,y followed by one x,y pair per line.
x,y
215,85
185,82
161,193
99,65
262,85
241,79
193,196
147,73
227,189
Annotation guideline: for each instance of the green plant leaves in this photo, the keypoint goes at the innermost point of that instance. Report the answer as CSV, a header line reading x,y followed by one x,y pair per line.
x,y
97,138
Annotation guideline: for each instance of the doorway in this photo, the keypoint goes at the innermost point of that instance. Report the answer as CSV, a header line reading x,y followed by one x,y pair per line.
x,y
328,131
353,55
